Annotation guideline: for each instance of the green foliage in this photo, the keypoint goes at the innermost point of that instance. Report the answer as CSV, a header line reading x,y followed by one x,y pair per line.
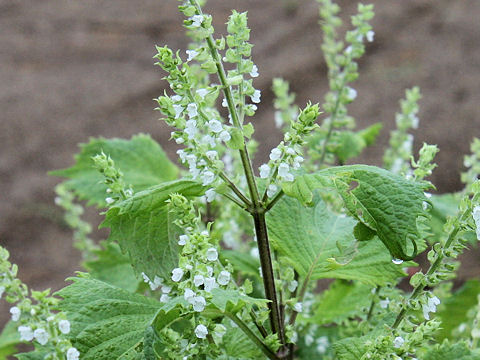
x,y
384,202
447,351
315,241
107,322
141,160
143,227
238,346
242,262
232,301
9,339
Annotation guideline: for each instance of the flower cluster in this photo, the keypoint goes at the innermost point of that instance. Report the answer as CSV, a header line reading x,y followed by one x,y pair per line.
x,y
285,109
35,319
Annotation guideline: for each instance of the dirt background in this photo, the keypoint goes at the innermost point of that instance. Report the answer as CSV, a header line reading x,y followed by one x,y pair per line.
x,y
74,69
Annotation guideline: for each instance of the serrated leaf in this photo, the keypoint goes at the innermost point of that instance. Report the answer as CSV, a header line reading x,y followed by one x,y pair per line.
x,y
343,300
447,351
143,227
308,236
238,346
32,355
141,160
454,309
113,267
385,202
232,301
107,322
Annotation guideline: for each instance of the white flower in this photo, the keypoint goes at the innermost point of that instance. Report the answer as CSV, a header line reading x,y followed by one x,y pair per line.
x,y
209,270
191,128
73,354
2,290
166,289
223,277
177,274
109,200
352,93
211,154
370,35
224,102
198,280
41,336
176,98
189,295
297,161
254,72
154,285
197,20
191,54
198,303
202,92
298,307
210,284
201,331
414,118
272,190
207,177
309,339
26,333
210,195
278,119
182,155
275,154
430,306
322,344
178,110
224,136
384,303
212,254
256,96
398,342
64,326
15,311
292,285
192,110
260,271
476,218
215,126
264,171
182,240
208,140
164,298
283,170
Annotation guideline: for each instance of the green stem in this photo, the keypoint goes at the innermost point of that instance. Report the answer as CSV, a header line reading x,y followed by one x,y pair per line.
x,y
236,190
261,345
330,127
274,200
372,305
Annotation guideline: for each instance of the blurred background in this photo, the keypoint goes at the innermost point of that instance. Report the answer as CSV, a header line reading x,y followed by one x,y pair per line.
x,y
74,69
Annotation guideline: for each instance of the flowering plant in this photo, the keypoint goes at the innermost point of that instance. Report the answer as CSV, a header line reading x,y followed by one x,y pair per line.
x,y
222,261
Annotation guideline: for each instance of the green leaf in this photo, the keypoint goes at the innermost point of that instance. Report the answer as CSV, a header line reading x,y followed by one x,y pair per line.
x,y
447,351
386,203
143,227
9,339
32,355
311,238
107,322
236,142
141,160
113,267
238,346
370,133
454,309
243,262
232,301
343,300
349,145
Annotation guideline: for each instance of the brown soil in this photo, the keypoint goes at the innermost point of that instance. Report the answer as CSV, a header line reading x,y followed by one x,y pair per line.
x,y
74,69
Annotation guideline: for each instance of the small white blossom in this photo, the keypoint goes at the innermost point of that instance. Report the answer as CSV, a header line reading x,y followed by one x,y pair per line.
x,y
109,200
178,110
260,271
166,289
191,54
256,96
210,284
156,283
430,306
352,93
272,190
215,126
211,154
292,285
191,128
177,274
201,331
197,20
182,155
199,303
275,154
225,136
164,298
476,219
192,110
64,326
212,254
209,140
15,311
209,270
223,277
309,339
41,336
398,342
189,295
264,171
198,280
254,72
283,172
278,119
415,120
322,344
224,102
73,354
297,161
298,307
370,35
182,240
384,303
202,93
207,177
26,333
176,98
210,195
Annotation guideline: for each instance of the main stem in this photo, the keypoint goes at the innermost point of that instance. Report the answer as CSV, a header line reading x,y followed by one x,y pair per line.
x,y
257,210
